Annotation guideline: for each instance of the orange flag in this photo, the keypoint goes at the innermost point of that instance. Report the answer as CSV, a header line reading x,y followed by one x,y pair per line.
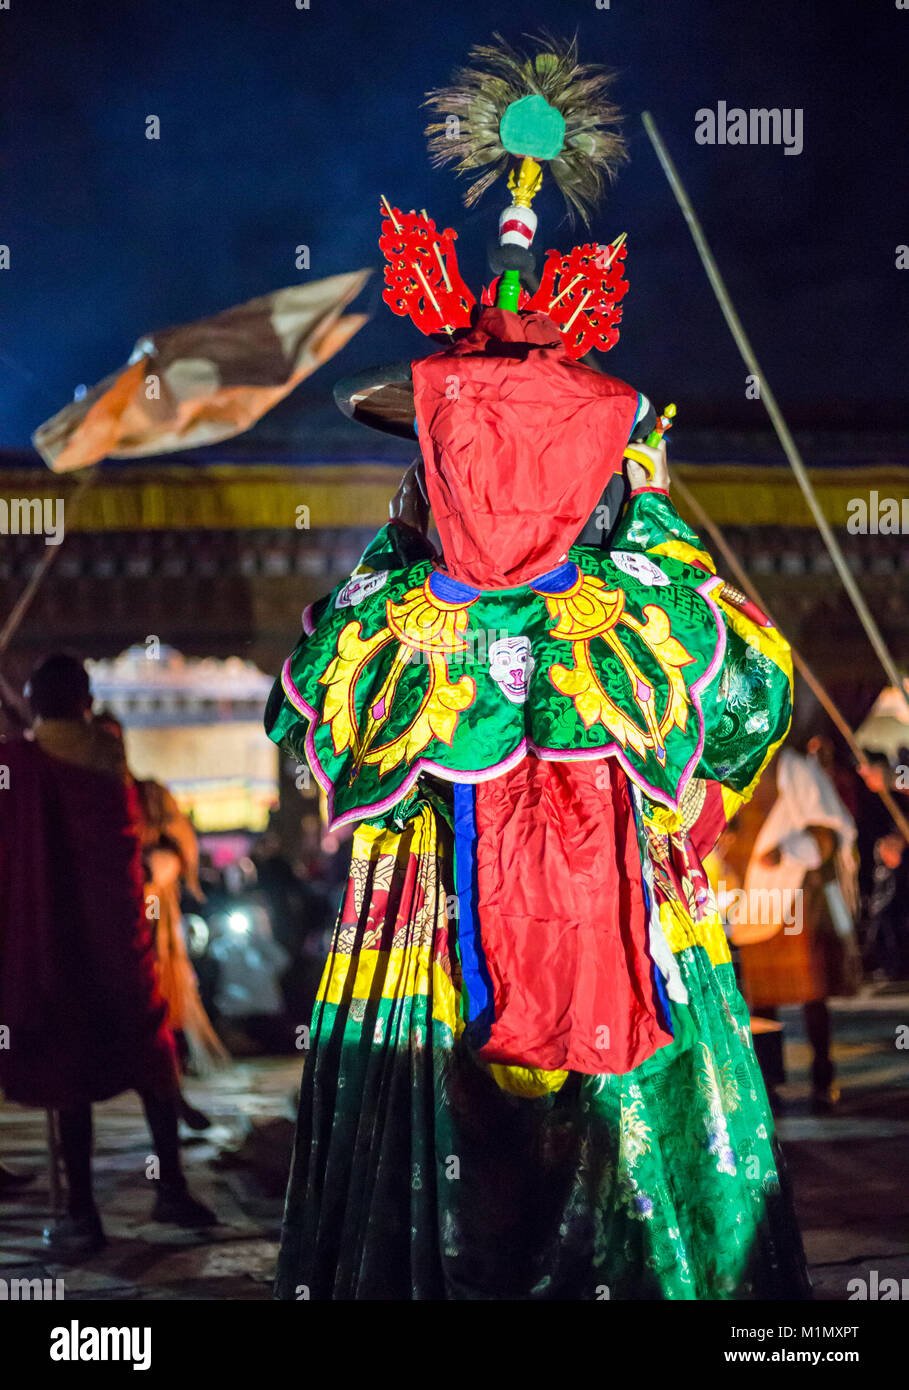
x,y
199,383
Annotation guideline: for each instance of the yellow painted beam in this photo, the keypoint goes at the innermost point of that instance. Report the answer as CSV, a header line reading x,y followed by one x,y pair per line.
x,y
252,497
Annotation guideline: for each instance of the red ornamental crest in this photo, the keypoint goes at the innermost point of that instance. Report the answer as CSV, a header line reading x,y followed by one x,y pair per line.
x,y
421,275
582,293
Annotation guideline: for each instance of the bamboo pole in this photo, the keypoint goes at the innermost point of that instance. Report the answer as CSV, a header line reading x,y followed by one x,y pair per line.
x,y
722,545
789,446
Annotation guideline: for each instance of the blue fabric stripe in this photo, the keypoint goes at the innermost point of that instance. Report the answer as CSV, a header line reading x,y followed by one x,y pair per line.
x,y
450,590
473,962
664,1012
556,581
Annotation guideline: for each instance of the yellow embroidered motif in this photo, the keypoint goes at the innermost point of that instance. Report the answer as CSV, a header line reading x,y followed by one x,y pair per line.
x,y
589,610
340,678
681,550
423,626
428,624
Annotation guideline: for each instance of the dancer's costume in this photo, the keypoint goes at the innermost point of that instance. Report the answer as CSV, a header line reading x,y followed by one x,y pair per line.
x,y
531,1073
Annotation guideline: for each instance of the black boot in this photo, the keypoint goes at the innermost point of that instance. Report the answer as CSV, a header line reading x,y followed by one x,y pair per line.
x,y
176,1206
74,1237
195,1119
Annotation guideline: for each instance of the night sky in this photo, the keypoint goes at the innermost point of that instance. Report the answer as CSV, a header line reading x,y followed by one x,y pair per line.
x,y
282,126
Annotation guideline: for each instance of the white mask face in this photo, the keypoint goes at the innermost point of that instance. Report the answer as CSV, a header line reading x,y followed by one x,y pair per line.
x,y
640,567
359,587
511,666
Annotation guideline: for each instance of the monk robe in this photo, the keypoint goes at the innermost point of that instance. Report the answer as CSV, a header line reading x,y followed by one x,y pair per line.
x,y
78,990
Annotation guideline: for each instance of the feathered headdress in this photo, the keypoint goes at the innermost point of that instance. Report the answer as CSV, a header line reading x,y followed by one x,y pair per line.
x,y
507,100
531,111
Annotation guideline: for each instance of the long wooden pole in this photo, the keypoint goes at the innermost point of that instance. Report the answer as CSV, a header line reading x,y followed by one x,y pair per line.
x,y
779,424
722,545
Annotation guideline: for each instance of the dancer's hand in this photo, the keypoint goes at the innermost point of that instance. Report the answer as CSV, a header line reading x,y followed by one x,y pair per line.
x,y
638,475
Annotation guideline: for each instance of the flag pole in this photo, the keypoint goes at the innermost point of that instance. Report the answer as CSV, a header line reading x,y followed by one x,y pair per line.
x,y
789,445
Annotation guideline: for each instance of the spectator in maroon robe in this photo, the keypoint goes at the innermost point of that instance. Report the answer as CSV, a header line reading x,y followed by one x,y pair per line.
x,y
78,989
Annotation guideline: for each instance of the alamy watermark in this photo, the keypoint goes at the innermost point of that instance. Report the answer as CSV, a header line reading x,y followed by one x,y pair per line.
x,y
752,907
877,516
32,516
85,1343
875,1289
733,125
31,1290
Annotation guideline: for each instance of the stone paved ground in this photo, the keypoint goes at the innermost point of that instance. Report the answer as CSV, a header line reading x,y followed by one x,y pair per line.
x,y
238,1167
849,1174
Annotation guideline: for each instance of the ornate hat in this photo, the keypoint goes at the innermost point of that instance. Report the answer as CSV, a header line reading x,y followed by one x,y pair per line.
x,y
516,113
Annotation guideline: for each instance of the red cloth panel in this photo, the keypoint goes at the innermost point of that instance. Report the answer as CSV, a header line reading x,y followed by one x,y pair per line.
x,y
563,919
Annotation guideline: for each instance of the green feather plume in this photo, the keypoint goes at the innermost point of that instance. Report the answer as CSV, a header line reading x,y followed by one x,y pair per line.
x,y
500,74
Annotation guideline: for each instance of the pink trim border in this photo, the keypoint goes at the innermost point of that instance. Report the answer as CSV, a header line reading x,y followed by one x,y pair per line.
x,y
526,745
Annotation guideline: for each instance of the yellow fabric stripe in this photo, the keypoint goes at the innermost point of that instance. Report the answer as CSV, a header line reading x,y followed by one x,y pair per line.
x,y
388,975
768,640
682,931
527,1081
400,971
681,550
772,644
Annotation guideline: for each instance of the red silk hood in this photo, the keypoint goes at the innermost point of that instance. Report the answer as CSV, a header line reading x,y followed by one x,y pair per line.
x,y
519,442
